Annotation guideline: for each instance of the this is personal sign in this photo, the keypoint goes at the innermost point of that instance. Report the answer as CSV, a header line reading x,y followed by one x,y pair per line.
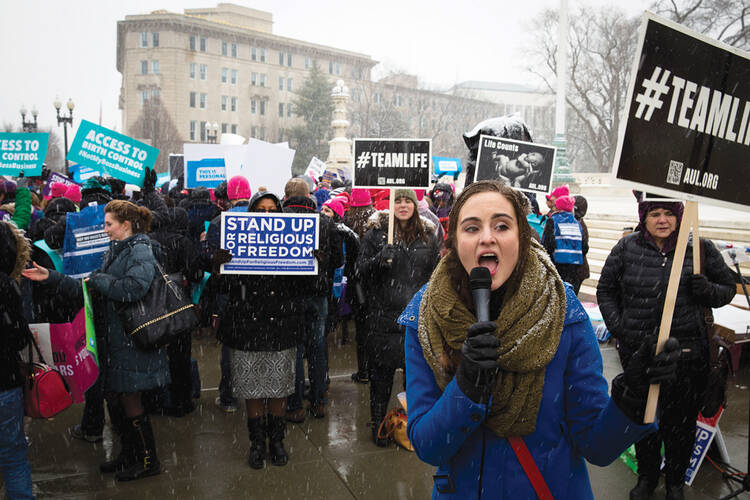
x,y
270,243
110,152
22,152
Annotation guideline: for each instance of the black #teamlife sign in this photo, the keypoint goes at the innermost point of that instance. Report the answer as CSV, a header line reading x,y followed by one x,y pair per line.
x,y
384,163
687,130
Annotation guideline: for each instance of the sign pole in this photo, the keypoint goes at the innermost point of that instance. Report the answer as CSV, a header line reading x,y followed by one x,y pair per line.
x,y
689,219
391,203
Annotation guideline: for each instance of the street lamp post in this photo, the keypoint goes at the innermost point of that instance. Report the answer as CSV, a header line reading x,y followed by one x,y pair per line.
x,y
65,120
28,126
212,132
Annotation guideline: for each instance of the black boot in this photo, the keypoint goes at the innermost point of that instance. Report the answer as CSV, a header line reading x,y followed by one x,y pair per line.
x,y
144,449
276,429
674,492
257,436
124,459
644,488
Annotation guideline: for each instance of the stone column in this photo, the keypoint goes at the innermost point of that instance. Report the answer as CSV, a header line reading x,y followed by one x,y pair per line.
x,y
561,173
340,148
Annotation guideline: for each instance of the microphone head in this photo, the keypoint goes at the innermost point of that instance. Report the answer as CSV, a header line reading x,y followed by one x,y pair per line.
x,y
480,278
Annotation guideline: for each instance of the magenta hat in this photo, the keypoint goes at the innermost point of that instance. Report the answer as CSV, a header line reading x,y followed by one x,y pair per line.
x,y
559,191
565,203
336,206
73,193
238,188
360,198
57,189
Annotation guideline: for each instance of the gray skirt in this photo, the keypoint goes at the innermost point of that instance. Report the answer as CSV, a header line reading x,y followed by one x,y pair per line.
x,y
257,375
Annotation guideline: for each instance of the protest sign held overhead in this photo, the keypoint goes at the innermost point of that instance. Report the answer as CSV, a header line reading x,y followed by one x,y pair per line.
x,y
22,152
266,243
112,153
381,163
176,165
85,241
447,166
686,133
525,166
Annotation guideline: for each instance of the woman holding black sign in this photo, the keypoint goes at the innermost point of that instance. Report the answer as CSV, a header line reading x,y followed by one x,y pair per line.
x,y
391,274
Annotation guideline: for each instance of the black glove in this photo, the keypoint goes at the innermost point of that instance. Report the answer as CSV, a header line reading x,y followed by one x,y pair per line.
x,y
386,256
149,181
701,287
220,257
478,368
630,388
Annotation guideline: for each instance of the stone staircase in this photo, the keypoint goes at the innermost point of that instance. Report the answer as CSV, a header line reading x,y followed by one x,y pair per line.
x,y
606,229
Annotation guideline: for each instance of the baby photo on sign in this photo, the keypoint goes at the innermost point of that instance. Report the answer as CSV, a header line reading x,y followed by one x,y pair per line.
x,y
523,165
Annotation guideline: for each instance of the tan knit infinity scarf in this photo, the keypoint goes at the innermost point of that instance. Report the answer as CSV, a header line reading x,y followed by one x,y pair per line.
x,y
529,327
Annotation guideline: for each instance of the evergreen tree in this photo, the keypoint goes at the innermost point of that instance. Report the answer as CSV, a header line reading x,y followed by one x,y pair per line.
x,y
315,106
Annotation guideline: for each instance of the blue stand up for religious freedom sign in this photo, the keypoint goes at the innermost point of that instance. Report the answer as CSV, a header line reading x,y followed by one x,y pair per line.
x,y
110,152
266,243
22,153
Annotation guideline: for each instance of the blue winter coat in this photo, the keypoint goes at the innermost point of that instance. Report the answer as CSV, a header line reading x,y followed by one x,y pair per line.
x,y
126,274
577,420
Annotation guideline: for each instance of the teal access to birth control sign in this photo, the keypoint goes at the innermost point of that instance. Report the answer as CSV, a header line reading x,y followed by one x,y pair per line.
x,y
22,153
107,151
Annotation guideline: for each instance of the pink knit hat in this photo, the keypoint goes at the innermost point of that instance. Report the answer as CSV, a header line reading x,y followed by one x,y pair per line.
x,y
360,198
336,206
238,188
343,200
73,193
565,203
57,189
559,191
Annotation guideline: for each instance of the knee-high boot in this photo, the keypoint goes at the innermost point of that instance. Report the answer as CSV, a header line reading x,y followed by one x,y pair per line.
x,y
142,440
257,436
276,429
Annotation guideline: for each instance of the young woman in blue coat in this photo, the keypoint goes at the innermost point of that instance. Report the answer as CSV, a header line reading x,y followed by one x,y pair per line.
x,y
125,276
533,373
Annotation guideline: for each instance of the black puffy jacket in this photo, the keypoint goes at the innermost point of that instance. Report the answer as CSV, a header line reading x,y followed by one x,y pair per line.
x,y
633,285
388,290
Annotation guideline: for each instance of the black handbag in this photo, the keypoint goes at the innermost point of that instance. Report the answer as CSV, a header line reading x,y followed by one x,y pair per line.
x,y
161,315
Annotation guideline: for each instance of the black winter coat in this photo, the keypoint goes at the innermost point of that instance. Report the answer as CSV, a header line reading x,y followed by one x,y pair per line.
x,y
14,333
180,254
388,290
633,285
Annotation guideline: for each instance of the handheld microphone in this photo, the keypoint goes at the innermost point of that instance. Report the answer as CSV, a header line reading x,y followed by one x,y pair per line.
x,y
480,282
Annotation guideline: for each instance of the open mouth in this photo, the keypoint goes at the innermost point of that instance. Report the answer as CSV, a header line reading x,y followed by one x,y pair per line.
x,y
490,261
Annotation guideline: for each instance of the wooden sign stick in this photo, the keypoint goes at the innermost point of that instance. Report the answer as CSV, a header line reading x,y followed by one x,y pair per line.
x,y
689,219
391,203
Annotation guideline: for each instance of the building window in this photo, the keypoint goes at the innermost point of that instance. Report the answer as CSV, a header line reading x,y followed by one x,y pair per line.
x,y
397,100
224,72
338,68
376,98
192,99
192,130
253,131
192,43
307,62
262,55
289,59
281,110
224,128
224,50
262,134
234,77
254,54
203,131
192,71
281,83
262,79
204,98
281,135
144,97
204,71
234,103
253,78
289,84
203,44
144,67
262,106
234,128
253,106
234,50
223,103
281,58
155,93
289,110
330,67
144,39
155,39
155,67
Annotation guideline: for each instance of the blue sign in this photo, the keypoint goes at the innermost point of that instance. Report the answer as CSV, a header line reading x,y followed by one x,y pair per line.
x,y
22,152
265,243
446,166
81,173
208,172
161,179
113,153
85,241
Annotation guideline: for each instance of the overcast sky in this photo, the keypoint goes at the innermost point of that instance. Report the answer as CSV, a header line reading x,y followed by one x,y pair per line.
x,y
68,48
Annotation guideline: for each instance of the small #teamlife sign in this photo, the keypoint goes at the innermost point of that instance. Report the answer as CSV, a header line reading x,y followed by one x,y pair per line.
x,y
392,163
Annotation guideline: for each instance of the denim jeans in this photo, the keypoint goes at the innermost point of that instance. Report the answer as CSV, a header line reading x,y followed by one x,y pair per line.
x,y
13,462
316,309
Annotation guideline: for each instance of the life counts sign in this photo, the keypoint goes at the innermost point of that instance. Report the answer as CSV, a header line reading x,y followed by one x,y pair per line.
x,y
687,130
525,166
399,163
266,243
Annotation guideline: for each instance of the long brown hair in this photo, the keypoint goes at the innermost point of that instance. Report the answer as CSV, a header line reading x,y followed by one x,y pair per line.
x,y
413,229
139,217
